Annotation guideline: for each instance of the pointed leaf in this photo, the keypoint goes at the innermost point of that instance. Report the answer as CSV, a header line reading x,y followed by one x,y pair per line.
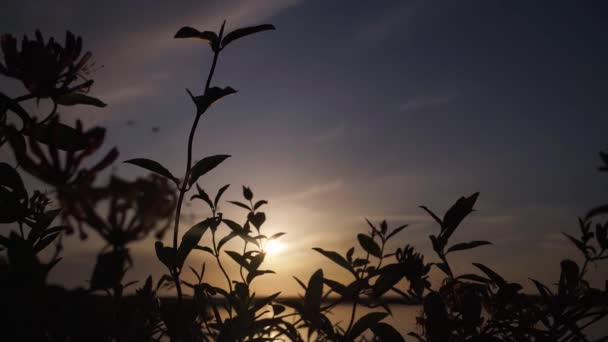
x,y
205,165
337,258
220,192
153,166
368,321
72,99
314,291
386,333
467,245
369,245
245,31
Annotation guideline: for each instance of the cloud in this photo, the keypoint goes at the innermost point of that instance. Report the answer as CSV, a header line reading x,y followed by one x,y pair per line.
x,y
329,135
389,22
314,190
427,101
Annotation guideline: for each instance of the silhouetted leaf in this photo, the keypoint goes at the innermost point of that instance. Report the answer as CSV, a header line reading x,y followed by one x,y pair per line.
x,y
10,178
256,273
191,239
166,255
314,291
389,276
220,192
443,267
276,236
153,166
109,269
225,239
205,165
44,242
263,302
202,195
578,243
396,231
189,32
435,217
257,219
72,99
239,204
474,277
213,94
601,210
467,245
259,203
239,259
205,248
60,136
247,193
368,321
497,279
457,213
337,258
245,31
386,333
277,309
369,245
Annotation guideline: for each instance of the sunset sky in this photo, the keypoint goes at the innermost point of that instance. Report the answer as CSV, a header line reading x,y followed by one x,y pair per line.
x,y
357,109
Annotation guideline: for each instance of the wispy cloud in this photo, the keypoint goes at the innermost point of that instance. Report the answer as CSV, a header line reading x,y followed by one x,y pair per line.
x,y
424,102
329,135
388,23
312,191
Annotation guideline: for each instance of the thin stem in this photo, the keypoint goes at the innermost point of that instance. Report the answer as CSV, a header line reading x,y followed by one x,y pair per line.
x,y
184,188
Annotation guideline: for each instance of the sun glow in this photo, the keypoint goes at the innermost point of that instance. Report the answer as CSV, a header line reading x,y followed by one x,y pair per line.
x,y
274,247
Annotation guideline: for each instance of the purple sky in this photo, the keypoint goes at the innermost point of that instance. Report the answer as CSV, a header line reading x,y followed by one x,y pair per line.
x,y
359,109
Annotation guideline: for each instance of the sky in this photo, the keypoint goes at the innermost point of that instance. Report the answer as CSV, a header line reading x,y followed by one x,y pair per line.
x,y
353,110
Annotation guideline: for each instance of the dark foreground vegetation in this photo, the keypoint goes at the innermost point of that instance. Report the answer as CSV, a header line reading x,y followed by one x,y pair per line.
x,y
481,306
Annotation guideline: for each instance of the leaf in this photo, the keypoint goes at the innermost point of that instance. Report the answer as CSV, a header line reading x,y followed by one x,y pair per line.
x,y
601,210
435,217
247,193
202,195
337,258
205,249
225,239
276,236
205,165
245,31
239,204
396,231
60,136
277,309
454,216
265,301
259,203
369,245
219,194
474,277
390,275
189,32
166,255
203,102
368,321
497,279
386,333
72,99
191,239
314,291
10,178
239,259
153,166
256,273
467,245
44,242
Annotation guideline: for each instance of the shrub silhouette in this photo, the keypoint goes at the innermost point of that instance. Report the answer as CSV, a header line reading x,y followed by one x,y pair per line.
x,y
480,306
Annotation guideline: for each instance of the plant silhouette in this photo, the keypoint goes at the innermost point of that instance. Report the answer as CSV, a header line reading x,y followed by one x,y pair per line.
x,y
480,306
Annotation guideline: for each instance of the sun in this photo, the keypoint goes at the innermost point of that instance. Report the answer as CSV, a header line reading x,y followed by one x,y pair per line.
x,y
274,247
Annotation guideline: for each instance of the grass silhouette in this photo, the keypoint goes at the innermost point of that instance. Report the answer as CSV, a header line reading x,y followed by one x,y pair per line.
x,y
480,306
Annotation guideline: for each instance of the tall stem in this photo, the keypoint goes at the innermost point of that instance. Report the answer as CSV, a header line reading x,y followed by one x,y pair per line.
x,y
184,187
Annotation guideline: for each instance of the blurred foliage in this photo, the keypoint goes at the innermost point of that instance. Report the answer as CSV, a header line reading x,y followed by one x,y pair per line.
x,y
481,306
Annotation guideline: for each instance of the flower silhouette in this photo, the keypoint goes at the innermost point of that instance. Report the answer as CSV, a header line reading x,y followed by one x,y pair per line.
x,y
46,69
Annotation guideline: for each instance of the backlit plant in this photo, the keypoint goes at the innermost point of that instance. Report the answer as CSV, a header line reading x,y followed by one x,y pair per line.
x,y
481,306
